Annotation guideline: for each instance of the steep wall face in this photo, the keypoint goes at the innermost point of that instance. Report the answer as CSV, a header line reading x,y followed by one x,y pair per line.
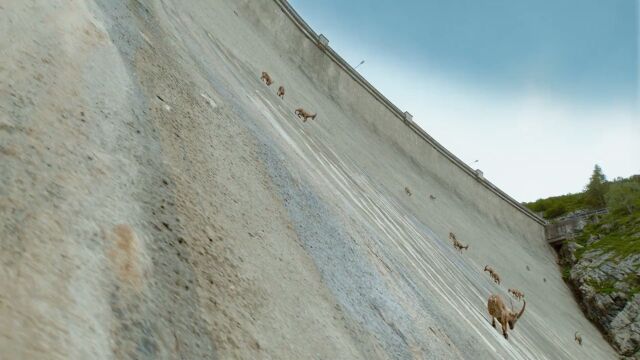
x,y
159,201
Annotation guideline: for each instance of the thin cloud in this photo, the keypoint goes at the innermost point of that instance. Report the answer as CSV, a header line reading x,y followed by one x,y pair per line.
x,y
533,140
530,145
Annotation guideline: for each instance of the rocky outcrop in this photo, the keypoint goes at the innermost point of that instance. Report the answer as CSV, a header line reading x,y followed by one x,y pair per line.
x,y
607,288
625,327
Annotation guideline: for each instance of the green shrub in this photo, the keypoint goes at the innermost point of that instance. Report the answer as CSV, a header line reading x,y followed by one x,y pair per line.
x,y
623,197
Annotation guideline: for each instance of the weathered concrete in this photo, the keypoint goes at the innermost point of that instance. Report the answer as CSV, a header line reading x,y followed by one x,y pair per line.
x,y
567,227
158,201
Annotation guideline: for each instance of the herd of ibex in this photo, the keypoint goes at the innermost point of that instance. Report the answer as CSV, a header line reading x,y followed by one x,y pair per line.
x,y
300,112
498,309
495,305
507,317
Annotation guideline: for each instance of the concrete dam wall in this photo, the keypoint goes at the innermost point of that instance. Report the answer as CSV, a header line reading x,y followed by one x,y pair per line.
x,y
158,201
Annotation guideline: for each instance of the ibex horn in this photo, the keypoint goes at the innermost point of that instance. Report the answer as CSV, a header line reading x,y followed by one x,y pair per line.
x,y
523,306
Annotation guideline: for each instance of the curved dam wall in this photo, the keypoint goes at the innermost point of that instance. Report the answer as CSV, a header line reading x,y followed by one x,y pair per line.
x,y
328,70
332,76
158,201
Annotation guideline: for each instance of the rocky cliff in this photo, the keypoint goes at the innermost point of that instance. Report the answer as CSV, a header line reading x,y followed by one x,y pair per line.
x,y
608,287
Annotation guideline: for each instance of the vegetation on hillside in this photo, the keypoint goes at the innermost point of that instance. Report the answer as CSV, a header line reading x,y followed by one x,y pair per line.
x,y
618,196
556,206
619,230
601,263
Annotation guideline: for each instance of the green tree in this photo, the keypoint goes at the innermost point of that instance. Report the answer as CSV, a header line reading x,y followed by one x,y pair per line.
x,y
596,189
624,196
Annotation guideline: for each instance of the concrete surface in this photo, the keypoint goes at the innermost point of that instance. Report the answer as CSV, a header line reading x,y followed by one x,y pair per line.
x,y
157,201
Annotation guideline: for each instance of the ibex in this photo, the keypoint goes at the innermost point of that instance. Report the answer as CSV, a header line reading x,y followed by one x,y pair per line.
x,y
281,91
498,309
457,244
302,114
578,338
517,293
494,275
266,78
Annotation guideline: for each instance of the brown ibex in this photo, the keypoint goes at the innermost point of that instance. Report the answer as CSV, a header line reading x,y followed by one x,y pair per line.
x,y
494,275
498,309
302,114
517,293
457,244
578,338
281,91
266,78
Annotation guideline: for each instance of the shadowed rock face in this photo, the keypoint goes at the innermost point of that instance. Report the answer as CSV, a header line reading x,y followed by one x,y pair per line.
x,y
607,288
158,201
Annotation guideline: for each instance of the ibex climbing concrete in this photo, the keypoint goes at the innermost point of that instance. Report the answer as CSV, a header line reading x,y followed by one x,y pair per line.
x,y
159,201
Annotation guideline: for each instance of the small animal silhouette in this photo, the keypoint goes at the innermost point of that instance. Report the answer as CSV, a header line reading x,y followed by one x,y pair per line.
x,y
302,114
496,278
407,190
281,91
494,275
517,294
457,244
578,338
266,78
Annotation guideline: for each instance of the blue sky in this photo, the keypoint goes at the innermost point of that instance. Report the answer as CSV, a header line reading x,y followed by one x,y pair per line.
x,y
537,91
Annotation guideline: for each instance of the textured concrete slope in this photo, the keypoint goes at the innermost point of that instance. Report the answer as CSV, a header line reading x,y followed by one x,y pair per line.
x,y
158,201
